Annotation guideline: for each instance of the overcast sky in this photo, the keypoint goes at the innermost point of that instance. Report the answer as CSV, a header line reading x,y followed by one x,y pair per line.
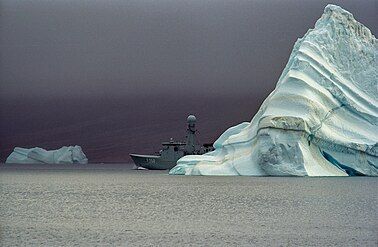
x,y
85,48
119,77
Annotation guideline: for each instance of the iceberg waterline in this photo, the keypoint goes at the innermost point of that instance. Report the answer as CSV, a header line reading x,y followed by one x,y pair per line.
x,y
322,117
64,155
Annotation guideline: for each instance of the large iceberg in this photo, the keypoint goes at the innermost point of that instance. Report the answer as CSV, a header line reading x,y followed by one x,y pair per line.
x,y
322,117
64,155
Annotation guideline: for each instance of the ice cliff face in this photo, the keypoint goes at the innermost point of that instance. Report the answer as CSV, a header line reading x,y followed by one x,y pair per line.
x,y
64,155
322,117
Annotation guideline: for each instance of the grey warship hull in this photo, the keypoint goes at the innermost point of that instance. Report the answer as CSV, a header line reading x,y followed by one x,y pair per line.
x,y
172,151
152,162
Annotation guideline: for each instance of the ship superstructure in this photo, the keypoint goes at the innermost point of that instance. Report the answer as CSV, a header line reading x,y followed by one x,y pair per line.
x,y
173,150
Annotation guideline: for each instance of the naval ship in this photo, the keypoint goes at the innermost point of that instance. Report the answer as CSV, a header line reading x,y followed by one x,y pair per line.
x,y
167,157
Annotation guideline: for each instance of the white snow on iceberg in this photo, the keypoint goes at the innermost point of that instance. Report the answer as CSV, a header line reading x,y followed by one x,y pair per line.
x,y
322,117
64,155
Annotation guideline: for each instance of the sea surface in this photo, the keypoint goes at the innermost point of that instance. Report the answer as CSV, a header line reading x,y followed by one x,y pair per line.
x,y
113,205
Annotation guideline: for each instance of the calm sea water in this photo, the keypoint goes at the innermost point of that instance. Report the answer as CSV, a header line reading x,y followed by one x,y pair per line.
x,y
114,205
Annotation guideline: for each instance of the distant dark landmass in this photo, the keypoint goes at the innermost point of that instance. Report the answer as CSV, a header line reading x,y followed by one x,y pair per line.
x,y
109,129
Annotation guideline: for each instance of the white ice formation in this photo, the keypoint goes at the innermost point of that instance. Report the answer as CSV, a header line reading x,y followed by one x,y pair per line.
x,y
322,117
64,155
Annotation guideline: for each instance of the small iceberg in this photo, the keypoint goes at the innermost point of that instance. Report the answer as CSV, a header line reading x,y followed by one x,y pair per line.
x,y
64,155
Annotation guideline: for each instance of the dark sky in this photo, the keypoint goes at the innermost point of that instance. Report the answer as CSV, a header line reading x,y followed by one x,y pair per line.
x,y
64,63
